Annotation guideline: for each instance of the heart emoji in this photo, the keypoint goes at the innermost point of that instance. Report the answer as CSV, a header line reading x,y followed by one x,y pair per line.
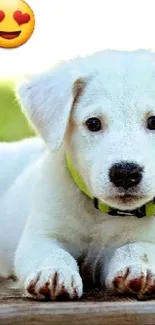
x,y
2,15
21,18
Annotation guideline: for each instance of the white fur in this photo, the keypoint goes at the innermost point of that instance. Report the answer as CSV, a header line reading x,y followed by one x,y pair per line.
x,y
47,222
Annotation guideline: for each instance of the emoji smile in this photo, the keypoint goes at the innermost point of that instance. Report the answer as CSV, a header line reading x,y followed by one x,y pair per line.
x,y
9,35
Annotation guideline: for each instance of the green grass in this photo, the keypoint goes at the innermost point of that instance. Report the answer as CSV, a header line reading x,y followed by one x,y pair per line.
x,y
13,125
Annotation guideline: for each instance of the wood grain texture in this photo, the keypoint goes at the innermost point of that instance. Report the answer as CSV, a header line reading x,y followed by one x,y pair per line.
x,y
94,309
79,313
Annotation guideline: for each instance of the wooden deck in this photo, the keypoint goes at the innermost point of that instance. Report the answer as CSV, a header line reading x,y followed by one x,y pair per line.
x,y
95,308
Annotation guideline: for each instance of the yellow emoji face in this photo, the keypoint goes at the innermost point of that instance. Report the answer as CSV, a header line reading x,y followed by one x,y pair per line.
x,y
16,23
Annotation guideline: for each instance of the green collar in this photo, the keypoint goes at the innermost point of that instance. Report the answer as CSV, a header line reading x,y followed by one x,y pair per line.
x,y
146,210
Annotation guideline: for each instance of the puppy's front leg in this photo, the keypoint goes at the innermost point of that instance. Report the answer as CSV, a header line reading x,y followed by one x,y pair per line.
x,y
47,269
131,269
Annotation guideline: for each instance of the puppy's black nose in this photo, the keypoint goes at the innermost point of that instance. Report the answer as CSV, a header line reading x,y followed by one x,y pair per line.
x,y
125,174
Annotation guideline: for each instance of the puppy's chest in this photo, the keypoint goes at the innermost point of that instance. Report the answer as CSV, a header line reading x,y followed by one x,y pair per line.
x,y
75,228
82,225
122,230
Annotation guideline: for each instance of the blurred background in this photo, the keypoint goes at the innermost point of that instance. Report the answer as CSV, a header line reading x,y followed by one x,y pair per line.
x,y
66,28
13,125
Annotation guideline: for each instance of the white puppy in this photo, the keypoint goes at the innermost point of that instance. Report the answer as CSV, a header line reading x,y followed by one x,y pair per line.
x,y
97,117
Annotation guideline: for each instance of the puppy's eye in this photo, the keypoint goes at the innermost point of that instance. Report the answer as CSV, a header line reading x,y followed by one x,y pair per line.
x,y
93,124
151,123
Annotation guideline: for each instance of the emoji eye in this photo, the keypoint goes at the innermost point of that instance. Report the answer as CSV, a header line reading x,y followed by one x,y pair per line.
x,y
21,18
2,15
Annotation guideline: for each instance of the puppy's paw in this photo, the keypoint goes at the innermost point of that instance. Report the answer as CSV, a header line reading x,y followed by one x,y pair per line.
x,y
135,279
51,283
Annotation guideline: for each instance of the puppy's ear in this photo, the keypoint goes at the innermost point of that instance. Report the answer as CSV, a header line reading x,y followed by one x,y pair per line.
x,y
47,100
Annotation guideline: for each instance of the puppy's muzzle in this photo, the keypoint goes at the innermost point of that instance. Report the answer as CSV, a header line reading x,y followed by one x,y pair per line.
x,y
125,174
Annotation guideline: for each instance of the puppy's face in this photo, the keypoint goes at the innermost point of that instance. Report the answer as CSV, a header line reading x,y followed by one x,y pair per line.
x,y
111,137
109,99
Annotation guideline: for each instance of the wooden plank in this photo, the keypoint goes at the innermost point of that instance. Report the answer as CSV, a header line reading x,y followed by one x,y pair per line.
x,y
96,307
78,313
